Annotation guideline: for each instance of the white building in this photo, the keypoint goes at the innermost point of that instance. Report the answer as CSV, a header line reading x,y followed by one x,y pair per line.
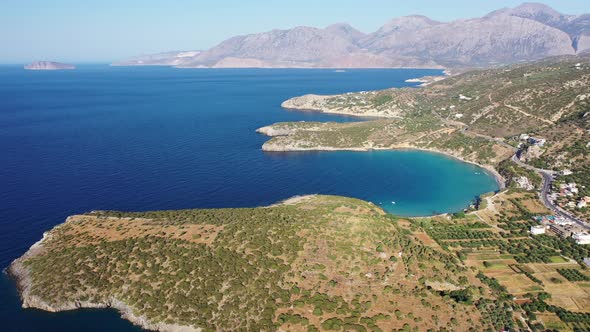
x,y
581,238
524,137
568,189
566,172
538,229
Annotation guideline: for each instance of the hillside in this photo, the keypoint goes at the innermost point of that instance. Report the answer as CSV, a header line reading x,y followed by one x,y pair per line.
x,y
467,115
309,263
528,32
479,116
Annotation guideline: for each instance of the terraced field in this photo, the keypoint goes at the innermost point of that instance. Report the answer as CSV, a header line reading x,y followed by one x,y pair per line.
x,y
541,271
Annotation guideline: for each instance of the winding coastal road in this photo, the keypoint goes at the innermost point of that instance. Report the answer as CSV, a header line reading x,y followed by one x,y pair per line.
x,y
548,177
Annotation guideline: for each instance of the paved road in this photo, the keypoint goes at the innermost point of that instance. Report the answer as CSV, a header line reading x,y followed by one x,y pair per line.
x,y
548,177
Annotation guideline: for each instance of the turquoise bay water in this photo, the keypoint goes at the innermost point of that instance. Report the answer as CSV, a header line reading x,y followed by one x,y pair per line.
x,y
162,138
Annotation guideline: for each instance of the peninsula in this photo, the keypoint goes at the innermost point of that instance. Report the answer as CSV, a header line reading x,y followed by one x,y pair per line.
x,y
48,65
308,263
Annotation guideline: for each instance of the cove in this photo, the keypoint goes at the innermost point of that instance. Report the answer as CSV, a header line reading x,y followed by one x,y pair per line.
x,y
404,183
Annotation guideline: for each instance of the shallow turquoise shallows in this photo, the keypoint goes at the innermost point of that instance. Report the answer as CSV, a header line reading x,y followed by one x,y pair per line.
x,y
103,137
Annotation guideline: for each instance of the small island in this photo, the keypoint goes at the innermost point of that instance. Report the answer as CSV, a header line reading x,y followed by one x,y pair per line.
x,y
49,65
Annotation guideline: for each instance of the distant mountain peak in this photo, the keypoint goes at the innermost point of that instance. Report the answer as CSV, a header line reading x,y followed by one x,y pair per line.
x,y
536,7
576,27
532,10
412,20
540,13
407,23
340,26
346,31
523,33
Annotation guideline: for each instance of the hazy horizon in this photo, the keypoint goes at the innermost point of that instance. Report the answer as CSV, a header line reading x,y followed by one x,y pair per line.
x,y
70,31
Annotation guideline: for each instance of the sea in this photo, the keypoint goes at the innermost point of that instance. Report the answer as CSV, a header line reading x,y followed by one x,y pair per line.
x,y
152,138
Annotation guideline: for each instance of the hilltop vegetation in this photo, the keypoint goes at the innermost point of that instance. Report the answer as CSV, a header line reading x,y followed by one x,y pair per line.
x,y
314,263
468,115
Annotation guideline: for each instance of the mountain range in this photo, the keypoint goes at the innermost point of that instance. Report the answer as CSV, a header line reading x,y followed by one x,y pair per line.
x,y
528,32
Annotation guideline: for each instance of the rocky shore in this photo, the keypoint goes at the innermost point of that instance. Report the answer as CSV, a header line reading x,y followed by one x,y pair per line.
x,y
319,103
425,80
277,130
24,283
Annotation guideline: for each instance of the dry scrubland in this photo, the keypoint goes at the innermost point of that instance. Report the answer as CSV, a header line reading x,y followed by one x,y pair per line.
x,y
323,262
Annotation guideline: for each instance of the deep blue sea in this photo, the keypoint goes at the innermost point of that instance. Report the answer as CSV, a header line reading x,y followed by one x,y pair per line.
x,y
115,138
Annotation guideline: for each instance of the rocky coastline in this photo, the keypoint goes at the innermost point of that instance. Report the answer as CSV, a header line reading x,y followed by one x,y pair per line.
x,y
425,80
317,103
24,283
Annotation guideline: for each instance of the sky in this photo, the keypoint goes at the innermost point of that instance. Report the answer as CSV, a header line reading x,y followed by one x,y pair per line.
x,y
102,31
